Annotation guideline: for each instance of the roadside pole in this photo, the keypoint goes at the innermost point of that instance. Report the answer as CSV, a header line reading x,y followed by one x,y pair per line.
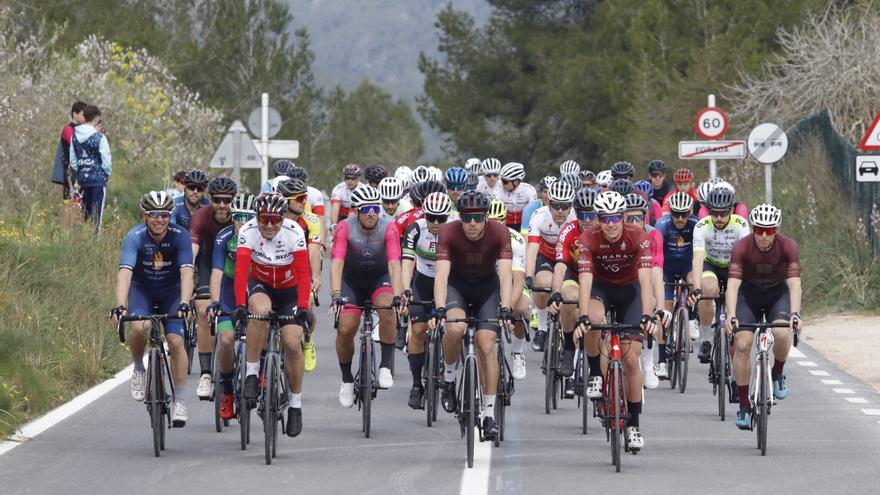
x,y
264,137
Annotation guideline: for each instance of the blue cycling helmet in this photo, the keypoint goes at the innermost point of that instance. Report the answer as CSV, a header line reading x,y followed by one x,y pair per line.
x,y
644,186
456,175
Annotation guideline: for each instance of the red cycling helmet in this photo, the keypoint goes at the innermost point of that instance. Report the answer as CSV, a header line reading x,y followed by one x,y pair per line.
x,y
683,175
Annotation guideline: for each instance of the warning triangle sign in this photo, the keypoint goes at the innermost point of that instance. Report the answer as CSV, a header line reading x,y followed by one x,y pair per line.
x,y
871,139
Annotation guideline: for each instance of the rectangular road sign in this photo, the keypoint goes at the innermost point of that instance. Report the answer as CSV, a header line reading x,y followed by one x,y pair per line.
x,y
868,168
281,148
712,150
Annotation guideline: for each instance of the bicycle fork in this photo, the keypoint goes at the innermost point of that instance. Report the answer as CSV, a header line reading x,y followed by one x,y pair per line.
x,y
763,343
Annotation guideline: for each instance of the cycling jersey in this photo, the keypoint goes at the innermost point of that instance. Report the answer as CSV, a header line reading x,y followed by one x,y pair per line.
x,y
156,264
406,218
223,257
516,201
661,192
181,215
528,211
405,204
279,263
420,244
366,254
718,244
738,209
390,217
315,200
311,226
545,232
656,246
568,245
765,269
490,192
203,228
341,194
614,263
518,250
473,261
677,243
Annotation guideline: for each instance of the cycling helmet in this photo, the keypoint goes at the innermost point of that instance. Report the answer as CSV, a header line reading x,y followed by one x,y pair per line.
x,y
584,199
436,173
472,164
404,175
420,174
635,202
725,184
497,210
375,173
569,167
513,171
437,203
587,175
604,178
683,175
609,203
432,186
704,188
299,173
270,202
196,177
622,186
720,198
283,167
420,191
472,201
351,170
291,187
156,201
546,182
644,186
472,180
572,180
490,166
243,203
222,185
765,215
622,169
561,192
656,166
681,202
390,189
456,175
365,196
273,183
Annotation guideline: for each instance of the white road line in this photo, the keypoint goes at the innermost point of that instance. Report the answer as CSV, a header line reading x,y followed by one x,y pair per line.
x,y
843,391
807,364
64,411
795,353
831,382
819,373
475,481
857,400
871,412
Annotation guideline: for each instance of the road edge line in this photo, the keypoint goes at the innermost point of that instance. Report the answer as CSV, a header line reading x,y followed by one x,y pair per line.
x,y
475,481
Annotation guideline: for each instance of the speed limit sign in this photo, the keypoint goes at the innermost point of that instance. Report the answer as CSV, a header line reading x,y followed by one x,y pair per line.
x,y
711,123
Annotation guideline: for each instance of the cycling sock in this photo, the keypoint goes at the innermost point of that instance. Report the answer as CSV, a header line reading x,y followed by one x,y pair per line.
x,y
705,333
416,363
517,345
567,341
489,406
226,382
180,394
295,400
661,353
139,365
542,319
205,362
595,365
346,372
252,369
387,355
449,373
634,409
744,397
777,368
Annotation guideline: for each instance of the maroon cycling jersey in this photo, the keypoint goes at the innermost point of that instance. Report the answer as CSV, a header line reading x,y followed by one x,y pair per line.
x,y
614,263
473,261
765,269
203,228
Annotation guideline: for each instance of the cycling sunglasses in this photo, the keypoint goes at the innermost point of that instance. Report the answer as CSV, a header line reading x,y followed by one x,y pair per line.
x,y
610,219
270,218
635,219
657,175
560,206
299,198
222,200
720,213
196,188
765,231
352,177
586,215
369,209
680,214
505,181
473,217
242,217
490,175
436,218
455,187
159,214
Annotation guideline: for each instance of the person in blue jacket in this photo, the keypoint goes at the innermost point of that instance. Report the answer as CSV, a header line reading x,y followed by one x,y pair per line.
x,y
91,165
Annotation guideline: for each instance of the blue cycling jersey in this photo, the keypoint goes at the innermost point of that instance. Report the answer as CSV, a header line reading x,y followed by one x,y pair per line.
x,y
678,244
180,215
156,264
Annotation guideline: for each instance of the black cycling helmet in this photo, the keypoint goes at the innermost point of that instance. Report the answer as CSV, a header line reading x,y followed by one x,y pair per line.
x,y
622,186
721,198
656,166
222,185
471,201
196,177
291,187
299,173
584,198
375,173
622,170
282,167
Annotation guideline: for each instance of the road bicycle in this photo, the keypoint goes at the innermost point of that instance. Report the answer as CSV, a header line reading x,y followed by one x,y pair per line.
x,y
432,371
554,382
679,341
720,374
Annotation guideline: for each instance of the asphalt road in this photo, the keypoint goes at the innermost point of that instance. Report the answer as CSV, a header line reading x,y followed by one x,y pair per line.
x,y
819,442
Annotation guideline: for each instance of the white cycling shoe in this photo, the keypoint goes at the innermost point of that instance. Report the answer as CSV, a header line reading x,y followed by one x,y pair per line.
x,y
518,367
138,384
634,438
205,388
385,378
178,415
346,394
661,370
594,387
694,329
651,379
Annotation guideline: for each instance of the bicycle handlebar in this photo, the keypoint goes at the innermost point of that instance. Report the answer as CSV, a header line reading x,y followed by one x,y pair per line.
x,y
546,290
758,326
120,328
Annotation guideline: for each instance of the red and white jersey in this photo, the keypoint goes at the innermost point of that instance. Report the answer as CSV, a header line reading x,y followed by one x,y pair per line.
x,y
490,192
316,201
544,231
341,194
281,262
516,201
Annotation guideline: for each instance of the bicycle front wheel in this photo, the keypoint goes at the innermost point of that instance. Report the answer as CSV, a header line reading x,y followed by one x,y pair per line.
x,y
470,405
674,346
615,416
764,406
430,382
270,405
366,384
153,400
244,412
581,378
721,371
500,398
552,364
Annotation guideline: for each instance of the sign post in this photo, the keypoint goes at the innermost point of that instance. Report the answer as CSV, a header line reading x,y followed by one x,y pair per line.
x,y
768,144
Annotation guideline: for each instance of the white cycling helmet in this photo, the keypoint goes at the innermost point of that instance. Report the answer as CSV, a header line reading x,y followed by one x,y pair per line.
x,y
420,174
765,215
437,203
365,195
609,203
604,178
513,171
490,166
404,175
705,187
569,167
681,202
390,189
273,183
560,192
472,165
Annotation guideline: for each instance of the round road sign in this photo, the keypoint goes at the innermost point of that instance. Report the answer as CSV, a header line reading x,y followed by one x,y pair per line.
x,y
768,143
711,123
274,122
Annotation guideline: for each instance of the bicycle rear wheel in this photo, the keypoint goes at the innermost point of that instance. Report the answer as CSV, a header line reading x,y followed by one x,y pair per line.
x,y
244,412
580,386
684,349
500,397
270,405
764,406
614,415
552,364
153,408
721,371
366,384
673,346
218,389
430,383
470,405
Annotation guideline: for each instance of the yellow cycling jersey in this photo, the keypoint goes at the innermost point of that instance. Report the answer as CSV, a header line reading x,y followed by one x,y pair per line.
x,y
312,226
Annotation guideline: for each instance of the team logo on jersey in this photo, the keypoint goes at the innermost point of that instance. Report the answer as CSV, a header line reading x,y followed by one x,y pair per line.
x,y
623,246
159,261
679,241
368,253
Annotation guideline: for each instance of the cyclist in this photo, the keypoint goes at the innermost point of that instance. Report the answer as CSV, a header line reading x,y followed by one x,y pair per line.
x,y
565,281
473,180
223,294
472,165
404,175
657,175
418,193
588,178
203,228
604,180
473,268
520,294
714,237
456,181
420,252
365,264
340,197
614,269
296,193
677,230
390,190
528,211
315,201
738,208
421,174
653,205
272,274
155,268
764,276
488,183
373,174
193,198
625,187
281,168
684,182
544,228
515,193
